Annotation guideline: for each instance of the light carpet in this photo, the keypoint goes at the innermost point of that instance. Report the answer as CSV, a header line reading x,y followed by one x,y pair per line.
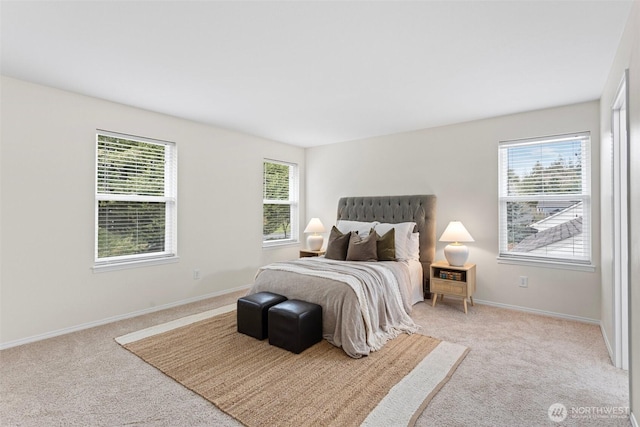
x,y
259,384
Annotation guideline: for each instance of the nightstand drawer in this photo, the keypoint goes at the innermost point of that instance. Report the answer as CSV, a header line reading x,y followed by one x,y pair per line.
x,y
457,281
438,286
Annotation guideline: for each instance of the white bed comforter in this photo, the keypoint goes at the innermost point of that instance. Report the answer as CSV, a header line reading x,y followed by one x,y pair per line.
x,y
364,304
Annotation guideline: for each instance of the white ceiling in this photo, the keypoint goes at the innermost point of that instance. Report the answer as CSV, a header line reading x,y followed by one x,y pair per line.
x,y
312,73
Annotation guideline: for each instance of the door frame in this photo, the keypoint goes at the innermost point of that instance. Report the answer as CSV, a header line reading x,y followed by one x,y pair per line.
x,y
620,223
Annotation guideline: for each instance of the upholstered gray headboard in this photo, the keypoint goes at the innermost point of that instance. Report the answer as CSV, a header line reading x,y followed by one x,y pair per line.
x,y
420,209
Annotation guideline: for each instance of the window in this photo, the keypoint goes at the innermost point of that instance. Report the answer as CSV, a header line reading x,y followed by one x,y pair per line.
x,y
279,203
545,199
135,199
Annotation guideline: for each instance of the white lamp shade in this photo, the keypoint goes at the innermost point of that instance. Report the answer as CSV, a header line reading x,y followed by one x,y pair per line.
x,y
315,226
455,232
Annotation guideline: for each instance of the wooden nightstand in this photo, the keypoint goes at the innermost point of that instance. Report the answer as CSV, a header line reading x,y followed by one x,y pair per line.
x,y
307,253
454,281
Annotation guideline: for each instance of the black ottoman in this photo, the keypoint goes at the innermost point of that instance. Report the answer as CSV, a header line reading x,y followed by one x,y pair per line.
x,y
252,313
295,325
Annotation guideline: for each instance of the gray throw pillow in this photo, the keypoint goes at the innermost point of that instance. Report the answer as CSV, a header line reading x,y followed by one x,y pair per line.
x,y
337,245
387,246
363,249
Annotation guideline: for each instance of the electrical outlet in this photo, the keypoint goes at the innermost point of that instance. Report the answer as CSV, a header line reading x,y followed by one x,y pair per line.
x,y
196,274
524,281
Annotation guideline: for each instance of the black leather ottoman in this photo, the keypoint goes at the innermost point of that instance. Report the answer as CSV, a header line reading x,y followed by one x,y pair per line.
x,y
295,325
253,312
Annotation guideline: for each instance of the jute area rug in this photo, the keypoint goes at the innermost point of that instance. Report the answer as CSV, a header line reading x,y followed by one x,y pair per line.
x,y
259,384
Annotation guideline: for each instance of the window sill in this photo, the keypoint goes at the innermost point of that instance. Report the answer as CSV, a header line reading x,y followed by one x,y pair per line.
x,y
275,245
101,268
547,264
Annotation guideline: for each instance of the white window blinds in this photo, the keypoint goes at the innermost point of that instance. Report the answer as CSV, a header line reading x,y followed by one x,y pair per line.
x,y
279,203
545,199
136,183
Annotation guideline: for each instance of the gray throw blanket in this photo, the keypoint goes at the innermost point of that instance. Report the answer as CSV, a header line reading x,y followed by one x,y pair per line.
x,y
364,303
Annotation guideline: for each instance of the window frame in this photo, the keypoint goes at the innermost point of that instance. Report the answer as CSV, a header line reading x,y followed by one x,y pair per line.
x,y
584,197
293,202
169,198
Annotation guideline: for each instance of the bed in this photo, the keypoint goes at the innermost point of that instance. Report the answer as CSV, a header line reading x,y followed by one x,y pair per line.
x,y
364,303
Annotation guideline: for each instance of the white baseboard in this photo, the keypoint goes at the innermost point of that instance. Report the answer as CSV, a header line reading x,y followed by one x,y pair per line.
x,y
607,343
101,322
536,311
634,421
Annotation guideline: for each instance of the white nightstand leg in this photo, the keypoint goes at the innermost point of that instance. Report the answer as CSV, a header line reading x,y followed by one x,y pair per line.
x,y
435,297
464,300
471,298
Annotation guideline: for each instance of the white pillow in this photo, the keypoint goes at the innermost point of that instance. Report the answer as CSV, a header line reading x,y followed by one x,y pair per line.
x,y
404,230
362,228
414,246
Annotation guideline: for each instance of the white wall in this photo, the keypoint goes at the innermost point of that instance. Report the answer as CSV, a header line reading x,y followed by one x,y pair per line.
x,y
634,291
459,164
627,56
47,220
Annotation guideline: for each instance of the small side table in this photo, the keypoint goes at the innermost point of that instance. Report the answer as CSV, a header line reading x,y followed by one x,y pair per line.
x,y
309,253
454,281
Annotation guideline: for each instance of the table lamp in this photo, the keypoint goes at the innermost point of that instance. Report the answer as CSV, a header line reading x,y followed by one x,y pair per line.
x,y
315,240
456,253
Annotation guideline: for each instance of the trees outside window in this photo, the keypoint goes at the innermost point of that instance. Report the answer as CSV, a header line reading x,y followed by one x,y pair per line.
x,y
545,199
280,202
135,199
